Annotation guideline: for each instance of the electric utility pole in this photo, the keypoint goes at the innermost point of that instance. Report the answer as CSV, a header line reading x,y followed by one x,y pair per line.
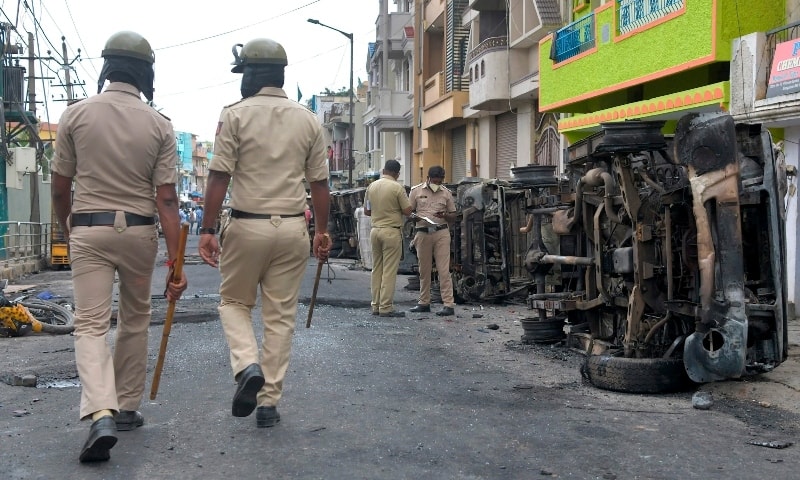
x,y
35,217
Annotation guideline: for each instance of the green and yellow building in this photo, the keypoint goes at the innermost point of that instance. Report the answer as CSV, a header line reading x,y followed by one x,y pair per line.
x,y
645,59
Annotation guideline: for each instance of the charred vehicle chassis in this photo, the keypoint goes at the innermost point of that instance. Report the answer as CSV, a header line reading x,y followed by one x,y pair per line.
x,y
672,259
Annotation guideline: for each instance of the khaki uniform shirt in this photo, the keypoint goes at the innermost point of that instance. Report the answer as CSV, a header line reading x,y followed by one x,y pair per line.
x,y
427,204
387,199
118,149
268,144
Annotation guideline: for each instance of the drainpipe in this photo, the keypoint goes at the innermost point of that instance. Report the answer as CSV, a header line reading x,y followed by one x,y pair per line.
x,y
473,152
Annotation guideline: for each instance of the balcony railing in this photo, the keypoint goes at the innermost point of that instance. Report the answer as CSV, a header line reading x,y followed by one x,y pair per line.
x,y
574,39
633,14
488,44
776,36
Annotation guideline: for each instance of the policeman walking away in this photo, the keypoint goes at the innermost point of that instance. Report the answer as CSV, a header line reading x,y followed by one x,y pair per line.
x,y
386,202
432,239
118,150
267,144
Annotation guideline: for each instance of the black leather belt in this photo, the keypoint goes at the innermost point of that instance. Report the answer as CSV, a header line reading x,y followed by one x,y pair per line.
x,y
431,228
105,219
262,216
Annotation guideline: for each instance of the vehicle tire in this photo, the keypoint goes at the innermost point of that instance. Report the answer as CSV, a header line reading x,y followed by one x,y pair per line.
x,y
49,312
549,330
636,375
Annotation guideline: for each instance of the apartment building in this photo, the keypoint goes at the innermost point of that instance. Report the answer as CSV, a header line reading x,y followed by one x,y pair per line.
x,y
478,86
201,156
441,88
184,142
388,117
645,59
333,113
507,129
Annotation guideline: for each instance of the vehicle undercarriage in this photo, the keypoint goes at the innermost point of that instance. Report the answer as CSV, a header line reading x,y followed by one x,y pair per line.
x,y
660,257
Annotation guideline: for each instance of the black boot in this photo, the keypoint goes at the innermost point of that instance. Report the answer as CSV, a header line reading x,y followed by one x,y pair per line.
x,y
446,312
102,436
128,420
267,417
251,379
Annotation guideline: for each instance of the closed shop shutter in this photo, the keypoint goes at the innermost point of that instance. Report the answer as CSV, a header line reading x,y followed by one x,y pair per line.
x,y
506,145
459,160
548,147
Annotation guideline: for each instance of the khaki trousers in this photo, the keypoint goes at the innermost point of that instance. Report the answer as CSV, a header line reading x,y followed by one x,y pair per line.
x,y
113,382
434,247
272,255
387,246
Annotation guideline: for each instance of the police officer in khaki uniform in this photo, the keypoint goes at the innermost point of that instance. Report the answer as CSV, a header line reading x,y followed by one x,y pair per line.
x,y
118,150
267,144
432,239
386,202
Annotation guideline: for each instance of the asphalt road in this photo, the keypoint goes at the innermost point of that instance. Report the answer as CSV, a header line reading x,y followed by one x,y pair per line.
x,y
380,398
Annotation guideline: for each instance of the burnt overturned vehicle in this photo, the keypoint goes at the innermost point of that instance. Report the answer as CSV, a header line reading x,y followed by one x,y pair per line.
x,y
670,252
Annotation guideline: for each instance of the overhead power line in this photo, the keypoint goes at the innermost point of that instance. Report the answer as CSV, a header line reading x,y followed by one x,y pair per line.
x,y
238,29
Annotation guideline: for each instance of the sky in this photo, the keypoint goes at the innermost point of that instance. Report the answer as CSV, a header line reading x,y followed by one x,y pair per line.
x,y
192,42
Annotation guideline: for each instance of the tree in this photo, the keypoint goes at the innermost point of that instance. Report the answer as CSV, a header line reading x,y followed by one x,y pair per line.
x,y
344,91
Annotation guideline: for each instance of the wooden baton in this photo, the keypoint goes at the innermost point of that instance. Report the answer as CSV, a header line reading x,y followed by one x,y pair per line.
x,y
176,277
311,304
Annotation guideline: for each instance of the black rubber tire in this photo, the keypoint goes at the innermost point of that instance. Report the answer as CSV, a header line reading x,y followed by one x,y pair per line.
x,y
637,375
57,329
54,318
550,330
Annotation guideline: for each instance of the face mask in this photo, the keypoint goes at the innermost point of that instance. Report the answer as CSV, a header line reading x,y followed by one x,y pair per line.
x,y
435,188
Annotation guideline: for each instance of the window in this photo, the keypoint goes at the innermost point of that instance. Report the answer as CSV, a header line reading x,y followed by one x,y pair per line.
x,y
406,75
634,14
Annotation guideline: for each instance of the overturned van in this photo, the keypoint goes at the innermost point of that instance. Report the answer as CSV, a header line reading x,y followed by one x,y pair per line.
x,y
670,251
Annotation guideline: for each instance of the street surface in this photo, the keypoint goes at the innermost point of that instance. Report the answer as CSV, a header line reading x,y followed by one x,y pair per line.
x,y
365,397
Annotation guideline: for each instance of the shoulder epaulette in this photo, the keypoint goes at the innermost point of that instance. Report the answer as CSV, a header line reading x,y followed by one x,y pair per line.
x,y
168,119
417,186
234,103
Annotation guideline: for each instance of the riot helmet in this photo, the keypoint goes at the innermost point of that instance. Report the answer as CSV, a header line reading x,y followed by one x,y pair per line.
x,y
261,51
261,63
129,44
128,57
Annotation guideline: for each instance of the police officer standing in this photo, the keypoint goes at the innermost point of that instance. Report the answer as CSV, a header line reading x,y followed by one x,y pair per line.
x,y
432,239
118,150
267,144
386,202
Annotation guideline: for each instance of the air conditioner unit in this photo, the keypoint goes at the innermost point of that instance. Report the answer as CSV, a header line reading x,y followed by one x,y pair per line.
x,y
21,160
